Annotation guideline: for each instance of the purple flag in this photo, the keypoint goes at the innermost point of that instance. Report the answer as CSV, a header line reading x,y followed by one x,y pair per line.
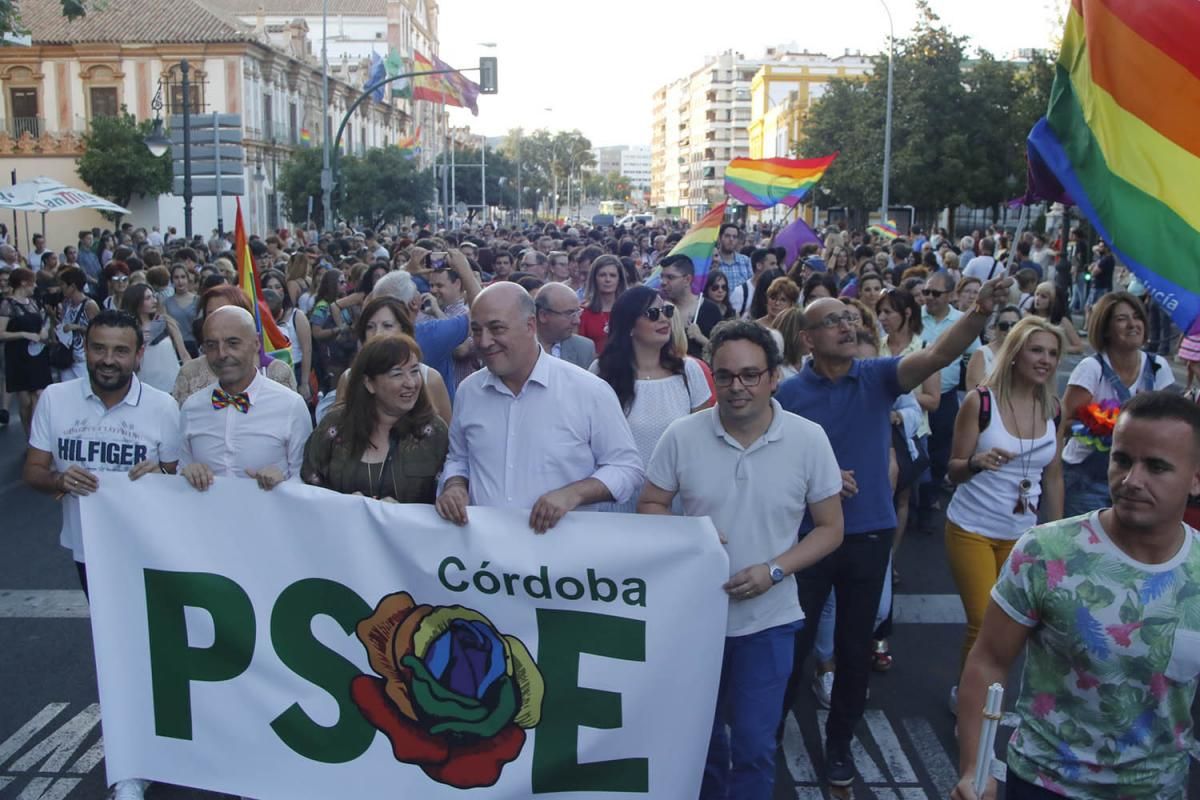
x,y
793,237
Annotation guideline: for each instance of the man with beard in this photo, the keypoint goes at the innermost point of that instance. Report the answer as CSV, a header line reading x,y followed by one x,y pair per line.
x,y
108,422
1107,607
244,425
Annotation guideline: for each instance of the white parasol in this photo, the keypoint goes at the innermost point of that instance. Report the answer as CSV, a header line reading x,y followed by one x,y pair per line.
x,y
47,195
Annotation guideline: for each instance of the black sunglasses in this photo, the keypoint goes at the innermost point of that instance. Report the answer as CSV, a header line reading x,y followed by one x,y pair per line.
x,y
1004,325
933,292
654,312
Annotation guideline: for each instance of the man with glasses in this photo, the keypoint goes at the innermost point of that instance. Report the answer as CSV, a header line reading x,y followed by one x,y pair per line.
x,y
557,320
851,399
938,316
699,314
779,466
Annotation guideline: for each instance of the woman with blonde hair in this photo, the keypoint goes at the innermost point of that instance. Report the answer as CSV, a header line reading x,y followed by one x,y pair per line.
x,y
1006,461
299,280
1049,304
790,324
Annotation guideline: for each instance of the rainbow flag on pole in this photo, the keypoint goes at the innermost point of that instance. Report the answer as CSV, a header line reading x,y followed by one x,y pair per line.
x,y
887,230
275,344
763,182
410,145
698,245
451,88
1120,137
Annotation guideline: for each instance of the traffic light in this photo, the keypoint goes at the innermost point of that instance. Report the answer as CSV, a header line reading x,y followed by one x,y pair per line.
x,y
487,75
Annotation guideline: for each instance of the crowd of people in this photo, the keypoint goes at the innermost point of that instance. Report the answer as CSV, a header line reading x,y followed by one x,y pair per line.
x,y
817,408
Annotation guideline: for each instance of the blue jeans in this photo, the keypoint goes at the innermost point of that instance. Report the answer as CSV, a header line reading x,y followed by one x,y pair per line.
x,y
754,674
1084,490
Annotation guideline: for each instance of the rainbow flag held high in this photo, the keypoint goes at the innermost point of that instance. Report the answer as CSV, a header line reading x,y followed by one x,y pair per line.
x,y
763,182
451,88
697,244
410,145
1120,139
887,230
305,135
275,345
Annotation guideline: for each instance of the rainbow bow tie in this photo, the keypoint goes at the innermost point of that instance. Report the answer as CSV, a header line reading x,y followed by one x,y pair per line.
x,y
223,399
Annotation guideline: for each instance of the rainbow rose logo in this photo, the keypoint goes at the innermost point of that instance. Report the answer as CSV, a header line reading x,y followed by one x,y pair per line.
x,y
453,695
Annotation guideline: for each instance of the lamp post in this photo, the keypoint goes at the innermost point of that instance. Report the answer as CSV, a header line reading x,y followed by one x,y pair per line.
x,y
326,123
887,125
158,143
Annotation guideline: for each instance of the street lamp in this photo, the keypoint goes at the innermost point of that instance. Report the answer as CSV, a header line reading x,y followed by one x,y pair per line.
x,y
157,142
887,125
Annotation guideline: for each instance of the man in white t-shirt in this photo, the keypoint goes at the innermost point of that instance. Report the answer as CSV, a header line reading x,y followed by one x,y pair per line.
x,y
984,266
754,469
108,422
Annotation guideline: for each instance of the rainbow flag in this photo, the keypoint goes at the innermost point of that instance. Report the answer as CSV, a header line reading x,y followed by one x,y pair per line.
x,y
763,182
451,88
274,343
887,230
305,135
410,145
1120,137
697,244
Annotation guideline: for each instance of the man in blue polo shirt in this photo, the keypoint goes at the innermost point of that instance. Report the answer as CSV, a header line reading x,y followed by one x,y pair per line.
x,y
851,400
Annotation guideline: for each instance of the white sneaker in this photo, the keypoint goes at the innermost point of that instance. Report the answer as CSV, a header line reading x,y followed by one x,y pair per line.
x,y
954,700
822,687
132,789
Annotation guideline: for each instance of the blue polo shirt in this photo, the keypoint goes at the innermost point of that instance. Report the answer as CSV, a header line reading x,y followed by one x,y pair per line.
x,y
854,412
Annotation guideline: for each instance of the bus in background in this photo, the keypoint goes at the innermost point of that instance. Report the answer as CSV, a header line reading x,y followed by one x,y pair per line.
x,y
617,208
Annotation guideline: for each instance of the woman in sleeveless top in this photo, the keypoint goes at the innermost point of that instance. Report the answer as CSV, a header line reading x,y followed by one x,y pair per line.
x,y
77,312
1005,460
298,280
182,307
164,348
294,325
979,366
24,329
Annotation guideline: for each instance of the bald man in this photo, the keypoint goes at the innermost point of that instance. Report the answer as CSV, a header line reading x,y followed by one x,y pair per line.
x,y
244,425
557,323
532,431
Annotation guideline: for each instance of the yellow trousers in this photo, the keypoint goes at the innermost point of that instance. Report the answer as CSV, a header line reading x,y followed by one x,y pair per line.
x,y
975,563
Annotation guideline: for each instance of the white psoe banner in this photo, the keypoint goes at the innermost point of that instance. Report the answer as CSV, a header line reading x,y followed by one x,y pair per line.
x,y
303,644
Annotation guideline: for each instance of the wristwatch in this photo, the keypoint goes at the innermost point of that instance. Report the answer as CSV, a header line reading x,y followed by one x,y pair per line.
x,y
777,573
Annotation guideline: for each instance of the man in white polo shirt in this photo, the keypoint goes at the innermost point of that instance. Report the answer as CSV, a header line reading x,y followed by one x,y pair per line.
x,y
754,469
105,423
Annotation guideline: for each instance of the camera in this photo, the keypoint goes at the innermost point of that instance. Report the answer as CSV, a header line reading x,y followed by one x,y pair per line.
x,y
436,259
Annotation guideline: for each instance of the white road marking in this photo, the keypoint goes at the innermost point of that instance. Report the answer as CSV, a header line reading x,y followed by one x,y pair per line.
x,y
57,748
796,756
89,760
48,788
931,753
889,745
43,604
5,780
18,740
868,770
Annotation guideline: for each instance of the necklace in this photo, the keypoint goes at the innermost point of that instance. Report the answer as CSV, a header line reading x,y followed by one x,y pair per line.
x,y
1025,459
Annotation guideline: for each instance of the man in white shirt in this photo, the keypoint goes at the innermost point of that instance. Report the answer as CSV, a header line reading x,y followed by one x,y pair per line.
x,y
532,431
244,425
35,255
754,469
108,422
984,266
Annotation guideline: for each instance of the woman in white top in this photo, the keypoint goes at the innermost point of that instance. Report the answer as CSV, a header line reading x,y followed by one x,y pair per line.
x,y
1005,460
294,325
653,382
979,366
1119,370
165,349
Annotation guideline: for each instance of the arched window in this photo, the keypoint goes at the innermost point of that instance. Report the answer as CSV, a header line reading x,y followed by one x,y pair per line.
x,y
23,101
102,90
197,81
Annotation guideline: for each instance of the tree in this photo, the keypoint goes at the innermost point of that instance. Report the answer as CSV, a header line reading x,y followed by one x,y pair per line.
x,y
544,156
848,119
10,18
383,186
116,163
300,179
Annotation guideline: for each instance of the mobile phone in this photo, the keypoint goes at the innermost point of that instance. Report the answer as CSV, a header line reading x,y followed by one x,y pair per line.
x,y
437,259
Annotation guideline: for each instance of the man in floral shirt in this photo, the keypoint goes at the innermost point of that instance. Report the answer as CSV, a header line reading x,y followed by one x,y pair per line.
x,y
1109,606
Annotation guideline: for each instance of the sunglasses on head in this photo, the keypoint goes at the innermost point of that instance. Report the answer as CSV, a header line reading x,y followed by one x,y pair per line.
x,y
654,312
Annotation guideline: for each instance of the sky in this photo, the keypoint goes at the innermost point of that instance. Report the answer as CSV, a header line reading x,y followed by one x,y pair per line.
x,y
566,64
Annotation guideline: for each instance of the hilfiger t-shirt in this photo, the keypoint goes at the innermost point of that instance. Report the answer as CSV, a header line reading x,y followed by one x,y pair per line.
x,y
73,425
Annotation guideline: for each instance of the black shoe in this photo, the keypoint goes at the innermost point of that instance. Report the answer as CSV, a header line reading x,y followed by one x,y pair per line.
x,y
839,766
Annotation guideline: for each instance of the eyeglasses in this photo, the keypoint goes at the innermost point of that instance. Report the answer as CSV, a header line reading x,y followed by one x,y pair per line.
x,y
1004,325
834,320
654,312
719,287
748,377
934,293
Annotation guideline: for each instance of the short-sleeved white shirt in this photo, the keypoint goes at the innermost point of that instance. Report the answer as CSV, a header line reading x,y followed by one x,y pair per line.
x,y
1088,375
73,425
756,496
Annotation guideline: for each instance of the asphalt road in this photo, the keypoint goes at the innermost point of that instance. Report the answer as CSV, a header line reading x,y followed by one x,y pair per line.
x,y
50,746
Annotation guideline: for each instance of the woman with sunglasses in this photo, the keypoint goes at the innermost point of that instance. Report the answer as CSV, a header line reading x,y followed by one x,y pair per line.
x,y
983,359
654,383
716,289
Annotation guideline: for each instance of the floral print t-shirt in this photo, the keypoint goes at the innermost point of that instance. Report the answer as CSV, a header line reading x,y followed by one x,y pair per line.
x,y
1111,663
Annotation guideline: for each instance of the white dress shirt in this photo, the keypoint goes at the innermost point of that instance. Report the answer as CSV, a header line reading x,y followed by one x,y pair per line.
x,y
564,426
272,433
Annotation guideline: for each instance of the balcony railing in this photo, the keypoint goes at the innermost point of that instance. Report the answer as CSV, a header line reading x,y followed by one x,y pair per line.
x,y
16,127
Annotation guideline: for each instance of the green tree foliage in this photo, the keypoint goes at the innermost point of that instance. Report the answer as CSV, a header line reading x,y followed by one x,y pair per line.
x,y
383,186
958,126
116,163
300,179
501,179
544,156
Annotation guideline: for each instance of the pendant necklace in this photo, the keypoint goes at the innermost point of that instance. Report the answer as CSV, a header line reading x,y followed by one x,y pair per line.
x,y
1024,504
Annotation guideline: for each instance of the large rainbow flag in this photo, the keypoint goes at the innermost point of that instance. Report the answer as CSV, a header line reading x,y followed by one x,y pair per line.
x,y
763,182
275,344
1120,137
451,88
697,244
